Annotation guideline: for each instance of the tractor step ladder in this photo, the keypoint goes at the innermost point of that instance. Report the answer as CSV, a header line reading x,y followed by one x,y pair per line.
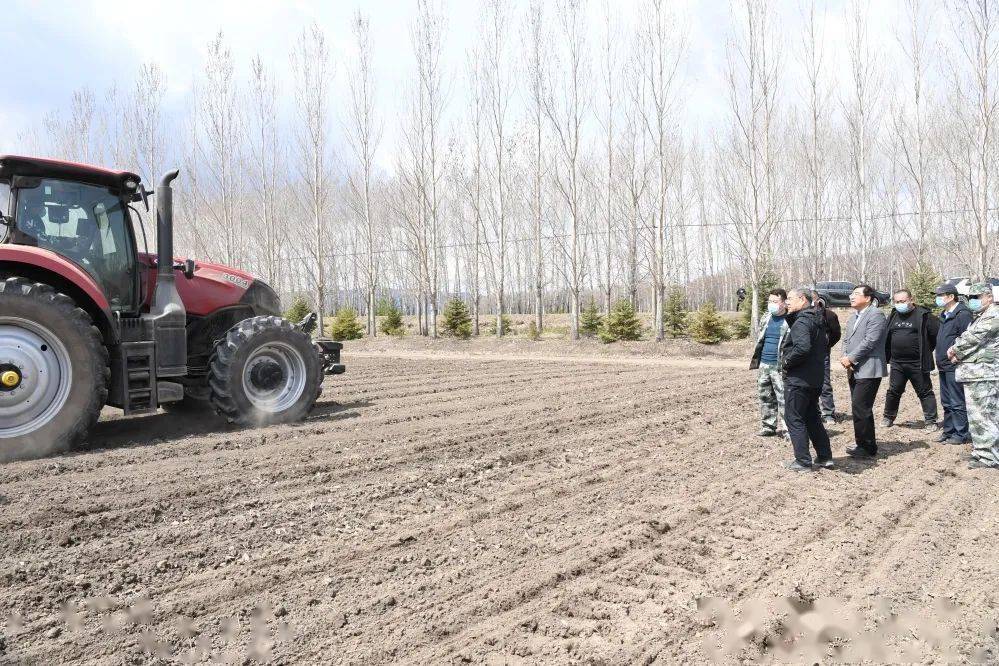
x,y
138,368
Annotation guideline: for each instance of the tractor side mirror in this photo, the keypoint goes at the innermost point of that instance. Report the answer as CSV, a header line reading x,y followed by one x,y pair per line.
x,y
141,194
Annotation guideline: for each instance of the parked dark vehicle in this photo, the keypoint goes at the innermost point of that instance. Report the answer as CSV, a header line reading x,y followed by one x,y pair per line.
x,y
837,294
962,284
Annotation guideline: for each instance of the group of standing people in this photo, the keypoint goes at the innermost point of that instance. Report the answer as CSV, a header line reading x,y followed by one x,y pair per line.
x,y
794,357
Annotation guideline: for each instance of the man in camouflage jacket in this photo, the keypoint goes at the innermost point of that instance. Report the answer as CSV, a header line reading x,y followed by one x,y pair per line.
x,y
769,382
976,352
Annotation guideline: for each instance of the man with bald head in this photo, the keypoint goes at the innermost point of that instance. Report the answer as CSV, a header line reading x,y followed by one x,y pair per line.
x,y
802,363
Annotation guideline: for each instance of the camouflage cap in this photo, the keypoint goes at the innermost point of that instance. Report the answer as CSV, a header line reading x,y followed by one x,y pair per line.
x,y
979,288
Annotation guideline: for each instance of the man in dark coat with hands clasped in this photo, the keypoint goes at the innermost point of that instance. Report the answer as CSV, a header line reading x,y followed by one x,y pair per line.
x,y
802,362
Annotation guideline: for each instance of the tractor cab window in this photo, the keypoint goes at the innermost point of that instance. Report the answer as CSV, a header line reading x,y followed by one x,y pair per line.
x,y
86,224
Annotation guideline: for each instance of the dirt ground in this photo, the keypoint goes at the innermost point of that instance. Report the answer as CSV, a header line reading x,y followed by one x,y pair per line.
x,y
508,502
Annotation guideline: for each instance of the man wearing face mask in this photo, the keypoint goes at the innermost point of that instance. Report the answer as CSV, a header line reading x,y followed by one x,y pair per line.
x,y
801,361
954,320
770,384
976,354
912,337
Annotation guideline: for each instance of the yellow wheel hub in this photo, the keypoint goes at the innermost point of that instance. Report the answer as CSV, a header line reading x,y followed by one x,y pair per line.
x,y
10,378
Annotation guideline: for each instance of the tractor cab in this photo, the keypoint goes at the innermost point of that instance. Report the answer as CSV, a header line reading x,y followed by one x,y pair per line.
x,y
80,212
88,224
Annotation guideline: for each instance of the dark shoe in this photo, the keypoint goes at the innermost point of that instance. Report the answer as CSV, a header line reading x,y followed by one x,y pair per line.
x,y
943,438
825,464
767,433
796,466
859,452
887,422
955,441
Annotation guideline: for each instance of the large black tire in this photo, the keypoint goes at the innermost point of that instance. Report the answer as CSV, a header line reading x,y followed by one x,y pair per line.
x,y
246,347
85,354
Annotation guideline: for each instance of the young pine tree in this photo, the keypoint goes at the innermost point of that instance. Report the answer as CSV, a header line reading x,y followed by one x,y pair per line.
x,y
457,322
346,326
590,319
507,325
298,311
675,313
392,321
707,326
922,282
622,323
384,307
742,324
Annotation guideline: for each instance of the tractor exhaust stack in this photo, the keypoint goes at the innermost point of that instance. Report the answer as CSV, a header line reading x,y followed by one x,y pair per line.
x,y
164,228
167,309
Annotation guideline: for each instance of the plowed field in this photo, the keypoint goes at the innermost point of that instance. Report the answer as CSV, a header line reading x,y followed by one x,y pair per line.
x,y
512,503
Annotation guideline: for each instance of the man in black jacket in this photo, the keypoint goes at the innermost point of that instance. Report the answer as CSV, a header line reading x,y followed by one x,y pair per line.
x,y
833,333
954,320
912,339
802,360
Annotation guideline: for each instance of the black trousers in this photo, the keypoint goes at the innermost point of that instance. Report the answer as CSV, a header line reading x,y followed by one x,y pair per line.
x,y
862,394
804,423
910,373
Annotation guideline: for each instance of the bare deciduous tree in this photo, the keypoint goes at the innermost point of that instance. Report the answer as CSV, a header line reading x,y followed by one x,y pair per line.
x,y
974,107
661,47
497,84
268,168
751,200
535,53
862,121
567,103
220,159
365,134
313,73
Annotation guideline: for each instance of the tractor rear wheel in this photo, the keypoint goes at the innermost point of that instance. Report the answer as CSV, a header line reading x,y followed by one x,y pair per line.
x,y
53,371
265,371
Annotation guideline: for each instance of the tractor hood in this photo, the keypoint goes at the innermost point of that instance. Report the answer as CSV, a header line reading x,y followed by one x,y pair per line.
x,y
214,286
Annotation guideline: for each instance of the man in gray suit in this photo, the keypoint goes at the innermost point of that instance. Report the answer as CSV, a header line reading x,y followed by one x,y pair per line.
x,y
864,360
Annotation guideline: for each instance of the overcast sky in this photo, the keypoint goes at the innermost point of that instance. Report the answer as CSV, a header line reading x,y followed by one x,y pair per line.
x,y
52,48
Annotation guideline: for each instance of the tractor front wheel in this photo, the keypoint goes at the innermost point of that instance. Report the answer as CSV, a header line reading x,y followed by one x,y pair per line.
x,y
265,371
53,371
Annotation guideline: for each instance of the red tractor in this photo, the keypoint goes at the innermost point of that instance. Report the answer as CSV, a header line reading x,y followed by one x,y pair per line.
x,y
87,320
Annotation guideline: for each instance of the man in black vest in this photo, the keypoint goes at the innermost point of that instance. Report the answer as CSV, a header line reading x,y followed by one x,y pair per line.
x,y
912,339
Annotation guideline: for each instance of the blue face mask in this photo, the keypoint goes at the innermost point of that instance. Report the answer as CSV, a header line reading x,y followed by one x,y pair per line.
x,y
975,304
940,301
903,307
773,308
